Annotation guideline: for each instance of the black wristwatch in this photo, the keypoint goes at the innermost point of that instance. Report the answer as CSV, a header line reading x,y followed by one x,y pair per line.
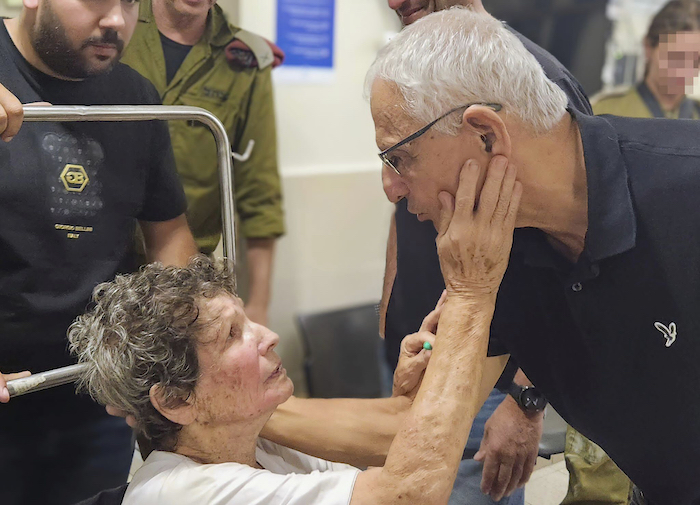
x,y
529,398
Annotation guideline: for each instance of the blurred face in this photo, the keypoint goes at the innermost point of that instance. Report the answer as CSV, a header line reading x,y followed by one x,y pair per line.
x,y
428,165
411,11
242,377
80,38
197,8
674,64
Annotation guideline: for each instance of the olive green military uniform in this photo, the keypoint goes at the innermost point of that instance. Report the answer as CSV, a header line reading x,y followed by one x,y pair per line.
x,y
242,99
594,479
629,103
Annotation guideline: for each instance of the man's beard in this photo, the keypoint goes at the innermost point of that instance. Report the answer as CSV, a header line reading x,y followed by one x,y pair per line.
x,y
51,43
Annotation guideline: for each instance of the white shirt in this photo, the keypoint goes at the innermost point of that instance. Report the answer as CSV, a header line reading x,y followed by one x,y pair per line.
x,y
289,478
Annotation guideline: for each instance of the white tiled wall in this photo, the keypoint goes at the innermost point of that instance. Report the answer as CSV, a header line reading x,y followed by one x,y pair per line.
x,y
333,254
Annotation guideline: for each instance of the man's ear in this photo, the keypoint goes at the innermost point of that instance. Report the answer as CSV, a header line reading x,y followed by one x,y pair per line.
x,y
489,126
31,4
181,412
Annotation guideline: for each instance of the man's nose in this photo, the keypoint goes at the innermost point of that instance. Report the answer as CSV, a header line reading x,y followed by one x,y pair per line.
x,y
114,17
394,186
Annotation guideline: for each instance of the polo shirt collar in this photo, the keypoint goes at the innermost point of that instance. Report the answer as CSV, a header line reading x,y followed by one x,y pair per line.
x,y
218,33
612,225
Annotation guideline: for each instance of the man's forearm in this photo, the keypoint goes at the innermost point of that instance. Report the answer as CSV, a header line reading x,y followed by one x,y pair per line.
x,y
354,431
521,380
429,444
260,258
168,242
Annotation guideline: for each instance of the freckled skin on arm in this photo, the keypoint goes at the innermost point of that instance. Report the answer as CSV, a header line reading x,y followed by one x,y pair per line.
x,y
423,457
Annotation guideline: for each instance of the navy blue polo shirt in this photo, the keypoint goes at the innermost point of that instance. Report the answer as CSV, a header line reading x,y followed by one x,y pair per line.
x,y
613,341
418,283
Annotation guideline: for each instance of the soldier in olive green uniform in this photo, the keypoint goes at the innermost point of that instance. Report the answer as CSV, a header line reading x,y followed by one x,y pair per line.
x,y
672,48
193,56
630,102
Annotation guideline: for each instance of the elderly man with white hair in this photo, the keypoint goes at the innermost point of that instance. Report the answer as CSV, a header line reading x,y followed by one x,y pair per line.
x,y
599,303
502,447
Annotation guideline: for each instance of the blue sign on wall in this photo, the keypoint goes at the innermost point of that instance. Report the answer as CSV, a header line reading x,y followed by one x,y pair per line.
x,y
305,32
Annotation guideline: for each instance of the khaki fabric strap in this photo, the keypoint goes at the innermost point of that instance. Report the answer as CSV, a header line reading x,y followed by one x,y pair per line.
x,y
259,47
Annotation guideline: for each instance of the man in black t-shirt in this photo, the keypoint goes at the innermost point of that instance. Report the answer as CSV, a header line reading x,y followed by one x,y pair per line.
x,y
71,195
506,437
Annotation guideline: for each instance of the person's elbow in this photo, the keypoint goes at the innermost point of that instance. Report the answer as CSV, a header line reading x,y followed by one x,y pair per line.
x,y
381,486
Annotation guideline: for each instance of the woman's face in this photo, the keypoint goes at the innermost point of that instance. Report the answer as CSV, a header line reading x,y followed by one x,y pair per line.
x,y
241,376
675,63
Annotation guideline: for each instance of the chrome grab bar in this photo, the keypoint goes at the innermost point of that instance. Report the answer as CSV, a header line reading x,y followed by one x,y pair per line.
x,y
45,380
70,113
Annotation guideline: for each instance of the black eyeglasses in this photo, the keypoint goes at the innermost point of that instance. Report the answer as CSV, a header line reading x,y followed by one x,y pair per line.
x,y
384,155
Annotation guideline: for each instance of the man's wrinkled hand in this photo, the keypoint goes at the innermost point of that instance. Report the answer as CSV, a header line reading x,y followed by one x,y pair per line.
x,y
413,361
413,358
509,449
475,230
4,378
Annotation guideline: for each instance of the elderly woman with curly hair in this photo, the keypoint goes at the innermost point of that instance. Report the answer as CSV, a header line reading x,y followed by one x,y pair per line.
x,y
173,348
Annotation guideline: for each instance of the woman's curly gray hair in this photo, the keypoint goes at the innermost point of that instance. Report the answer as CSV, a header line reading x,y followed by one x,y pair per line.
x,y
142,331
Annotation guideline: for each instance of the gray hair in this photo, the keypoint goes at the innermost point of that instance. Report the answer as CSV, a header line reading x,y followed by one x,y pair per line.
x,y
455,57
143,330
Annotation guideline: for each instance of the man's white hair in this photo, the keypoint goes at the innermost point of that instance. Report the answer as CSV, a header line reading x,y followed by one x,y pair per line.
x,y
455,57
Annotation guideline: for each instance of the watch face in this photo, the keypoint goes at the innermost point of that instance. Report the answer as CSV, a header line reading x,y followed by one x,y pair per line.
x,y
533,399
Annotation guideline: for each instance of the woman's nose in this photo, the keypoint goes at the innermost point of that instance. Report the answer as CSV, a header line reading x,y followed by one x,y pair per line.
x,y
268,340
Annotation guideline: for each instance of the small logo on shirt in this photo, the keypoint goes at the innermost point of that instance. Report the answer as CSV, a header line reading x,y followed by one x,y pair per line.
x,y
74,178
669,332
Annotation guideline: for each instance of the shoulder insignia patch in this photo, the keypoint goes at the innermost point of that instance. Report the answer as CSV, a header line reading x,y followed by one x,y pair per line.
x,y
248,50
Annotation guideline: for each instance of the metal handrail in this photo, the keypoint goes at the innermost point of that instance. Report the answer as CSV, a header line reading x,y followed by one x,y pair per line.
x,y
62,113
45,380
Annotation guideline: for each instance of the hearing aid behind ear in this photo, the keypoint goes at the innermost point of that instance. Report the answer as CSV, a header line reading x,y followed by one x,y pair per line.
x,y
489,145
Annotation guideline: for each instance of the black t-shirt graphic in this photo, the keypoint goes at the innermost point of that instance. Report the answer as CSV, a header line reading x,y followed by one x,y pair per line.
x,y
70,197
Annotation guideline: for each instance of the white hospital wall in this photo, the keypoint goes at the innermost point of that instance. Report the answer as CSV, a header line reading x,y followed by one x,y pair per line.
x,y
337,214
231,8
8,12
